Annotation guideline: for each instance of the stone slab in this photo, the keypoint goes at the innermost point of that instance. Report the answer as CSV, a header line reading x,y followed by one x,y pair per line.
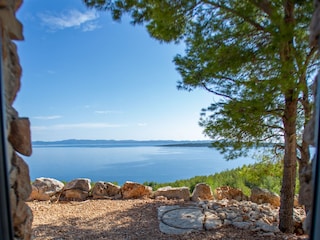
x,y
180,220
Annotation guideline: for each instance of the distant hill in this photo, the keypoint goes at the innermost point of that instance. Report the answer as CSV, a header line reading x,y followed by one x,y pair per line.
x,y
119,143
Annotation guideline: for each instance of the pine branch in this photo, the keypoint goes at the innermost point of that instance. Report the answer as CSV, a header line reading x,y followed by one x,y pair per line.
x,y
265,6
236,13
216,93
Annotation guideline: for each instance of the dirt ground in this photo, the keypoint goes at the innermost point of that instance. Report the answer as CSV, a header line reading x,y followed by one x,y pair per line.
x,y
119,219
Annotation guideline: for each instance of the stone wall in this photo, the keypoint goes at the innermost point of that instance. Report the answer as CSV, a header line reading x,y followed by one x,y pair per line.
x,y
18,129
306,188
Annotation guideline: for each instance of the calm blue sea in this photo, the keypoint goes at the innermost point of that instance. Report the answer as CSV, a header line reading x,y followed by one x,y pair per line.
x,y
120,164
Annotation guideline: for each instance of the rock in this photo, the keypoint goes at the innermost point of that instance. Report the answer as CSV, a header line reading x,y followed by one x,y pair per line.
x,y
23,219
75,195
20,136
305,192
299,217
180,220
45,188
103,190
173,193
267,227
230,193
213,221
21,213
267,234
135,190
23,182
161,198
242,225
13,201
77,189
79,183
231,215
260,196
13,26
202,191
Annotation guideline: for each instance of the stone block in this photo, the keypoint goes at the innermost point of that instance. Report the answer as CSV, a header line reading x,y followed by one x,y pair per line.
x,y
4,3
260,196
135,190
23,182
20,136
75,194
103,190
45,188
22,221
201,191
12,25
77,189
230,193
173,193
82,184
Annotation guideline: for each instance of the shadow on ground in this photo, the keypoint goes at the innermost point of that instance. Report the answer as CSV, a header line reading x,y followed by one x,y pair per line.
x,y
138,221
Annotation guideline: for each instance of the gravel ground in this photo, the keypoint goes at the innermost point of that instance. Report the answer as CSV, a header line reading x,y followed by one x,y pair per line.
x,y
119,219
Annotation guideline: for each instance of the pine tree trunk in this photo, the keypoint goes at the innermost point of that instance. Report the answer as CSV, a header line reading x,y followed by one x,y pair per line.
x,y
290,166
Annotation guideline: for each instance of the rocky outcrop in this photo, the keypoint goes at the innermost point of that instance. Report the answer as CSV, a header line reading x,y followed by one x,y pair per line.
x,y
44,189
173,193
135,190
226,192
202,191
260,196
77,190
106,190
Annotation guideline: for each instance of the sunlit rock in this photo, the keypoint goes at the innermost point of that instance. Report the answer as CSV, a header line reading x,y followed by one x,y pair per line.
x,y
45,189
202,191
173,193
105,190
135,190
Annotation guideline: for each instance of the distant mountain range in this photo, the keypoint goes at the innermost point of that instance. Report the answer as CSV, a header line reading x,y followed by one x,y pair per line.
x,y
120,143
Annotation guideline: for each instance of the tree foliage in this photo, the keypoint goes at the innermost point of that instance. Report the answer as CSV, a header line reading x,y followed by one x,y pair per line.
x,y
253,55
264,174
238,50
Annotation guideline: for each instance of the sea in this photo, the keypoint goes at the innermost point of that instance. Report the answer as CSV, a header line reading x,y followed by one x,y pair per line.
x,y
129,162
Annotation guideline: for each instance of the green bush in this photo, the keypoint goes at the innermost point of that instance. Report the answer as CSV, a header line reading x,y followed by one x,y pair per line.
x,y
264,174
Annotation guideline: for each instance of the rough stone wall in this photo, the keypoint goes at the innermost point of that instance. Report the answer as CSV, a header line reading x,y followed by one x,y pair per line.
x,y
306,189
18,129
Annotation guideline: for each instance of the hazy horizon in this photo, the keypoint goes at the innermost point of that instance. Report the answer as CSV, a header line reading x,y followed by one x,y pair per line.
x,y
88,77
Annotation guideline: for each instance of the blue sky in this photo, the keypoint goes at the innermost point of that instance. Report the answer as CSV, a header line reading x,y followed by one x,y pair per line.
x,y
87,77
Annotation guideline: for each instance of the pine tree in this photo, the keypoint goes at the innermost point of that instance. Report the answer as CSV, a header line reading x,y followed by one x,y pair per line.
x,y
253,55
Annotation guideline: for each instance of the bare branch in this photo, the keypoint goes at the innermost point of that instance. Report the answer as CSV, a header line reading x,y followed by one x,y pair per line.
x,y
216,93
264,5
275,112
310,56
274,127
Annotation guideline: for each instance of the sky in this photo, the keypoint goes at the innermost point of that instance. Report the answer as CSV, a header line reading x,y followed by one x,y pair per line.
x,y
88,77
